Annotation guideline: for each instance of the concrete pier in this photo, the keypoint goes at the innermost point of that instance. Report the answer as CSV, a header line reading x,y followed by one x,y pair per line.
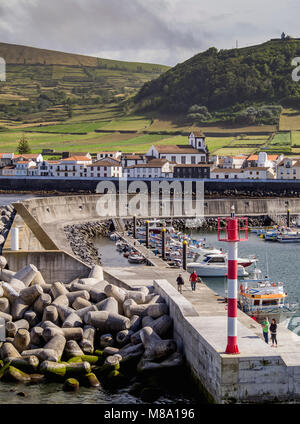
x,y
259,373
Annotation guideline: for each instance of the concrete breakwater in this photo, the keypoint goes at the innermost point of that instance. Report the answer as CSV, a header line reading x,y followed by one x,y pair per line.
x,y
81,237
205,224
87,332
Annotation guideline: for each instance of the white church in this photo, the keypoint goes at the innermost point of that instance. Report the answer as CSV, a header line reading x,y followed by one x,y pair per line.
x,y
185,154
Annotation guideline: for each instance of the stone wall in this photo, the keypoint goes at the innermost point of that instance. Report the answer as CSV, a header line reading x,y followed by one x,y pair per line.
x,y
53,265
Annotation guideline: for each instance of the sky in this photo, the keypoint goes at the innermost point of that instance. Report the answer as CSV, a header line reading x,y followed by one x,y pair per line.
x,y
155,31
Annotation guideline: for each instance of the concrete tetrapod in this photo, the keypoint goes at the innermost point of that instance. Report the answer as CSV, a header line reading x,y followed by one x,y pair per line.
x,y
97,294
106,340
107,321
72,348
161,326
4,305
68,333
87,342
58,289
155,347
29,364
30,294
8,350
50,314
21,340
41,303
80,303
10,293
96,272
110,305
72,321
13,327
27,274
18,308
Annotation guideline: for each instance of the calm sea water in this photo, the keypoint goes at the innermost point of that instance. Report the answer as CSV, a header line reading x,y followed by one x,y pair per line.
x,y
280,261
7,199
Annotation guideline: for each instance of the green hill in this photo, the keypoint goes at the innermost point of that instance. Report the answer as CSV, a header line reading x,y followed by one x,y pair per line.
x,y
226,80
45,85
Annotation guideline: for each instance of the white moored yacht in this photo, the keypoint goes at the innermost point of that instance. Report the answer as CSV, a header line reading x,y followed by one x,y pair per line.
x,y
214,266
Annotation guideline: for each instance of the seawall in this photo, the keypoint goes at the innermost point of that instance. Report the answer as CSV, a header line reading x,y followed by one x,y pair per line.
x,y
89,185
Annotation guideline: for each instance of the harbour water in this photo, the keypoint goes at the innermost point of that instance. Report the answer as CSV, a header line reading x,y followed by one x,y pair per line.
x,y
281,262
277,260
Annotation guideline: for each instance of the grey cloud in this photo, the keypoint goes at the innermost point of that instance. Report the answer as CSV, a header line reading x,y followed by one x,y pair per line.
x,y
85,26
157,31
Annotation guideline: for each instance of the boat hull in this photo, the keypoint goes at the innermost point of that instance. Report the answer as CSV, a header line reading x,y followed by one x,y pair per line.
x,y
213,270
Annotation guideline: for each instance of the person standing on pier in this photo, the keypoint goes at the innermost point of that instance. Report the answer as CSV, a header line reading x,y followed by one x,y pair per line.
x,y
273,331
180,283
193,280
265,326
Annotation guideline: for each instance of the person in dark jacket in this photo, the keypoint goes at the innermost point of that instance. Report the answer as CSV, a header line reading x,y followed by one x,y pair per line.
x,y
180,283
273,331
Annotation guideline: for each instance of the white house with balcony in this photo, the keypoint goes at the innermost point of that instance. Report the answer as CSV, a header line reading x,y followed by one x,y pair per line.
x,y
104,168
22,167
288,169
72,167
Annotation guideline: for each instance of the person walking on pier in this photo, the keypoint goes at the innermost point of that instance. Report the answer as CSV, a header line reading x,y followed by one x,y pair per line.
x,y
193,280
273,331
265,326
180,283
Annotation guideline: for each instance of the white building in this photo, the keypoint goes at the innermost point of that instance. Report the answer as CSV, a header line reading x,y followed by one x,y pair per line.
x,y
233,162
130,159
35,157
22,167
264,160
256,173
113,155
225,173
193,153
71,167
104,168
155,168
288,169
6,158
8,171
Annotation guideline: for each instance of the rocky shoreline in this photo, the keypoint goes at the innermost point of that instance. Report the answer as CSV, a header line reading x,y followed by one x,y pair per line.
x,y
206,224
81,238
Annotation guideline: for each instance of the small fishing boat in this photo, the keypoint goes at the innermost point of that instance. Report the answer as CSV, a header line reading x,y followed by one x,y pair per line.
x,y
260,298
135,258
289,238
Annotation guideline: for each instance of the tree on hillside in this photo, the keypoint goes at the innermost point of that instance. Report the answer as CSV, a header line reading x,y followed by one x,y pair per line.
x,y
23,146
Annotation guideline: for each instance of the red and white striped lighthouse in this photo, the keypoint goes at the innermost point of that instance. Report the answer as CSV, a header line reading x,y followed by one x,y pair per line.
x,y
229,230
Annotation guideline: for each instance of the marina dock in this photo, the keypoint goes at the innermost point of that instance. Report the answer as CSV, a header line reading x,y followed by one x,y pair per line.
x,y
259,373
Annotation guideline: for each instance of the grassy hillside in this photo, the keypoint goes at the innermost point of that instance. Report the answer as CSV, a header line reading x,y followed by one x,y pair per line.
x,y
75,103
44,85
227,81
